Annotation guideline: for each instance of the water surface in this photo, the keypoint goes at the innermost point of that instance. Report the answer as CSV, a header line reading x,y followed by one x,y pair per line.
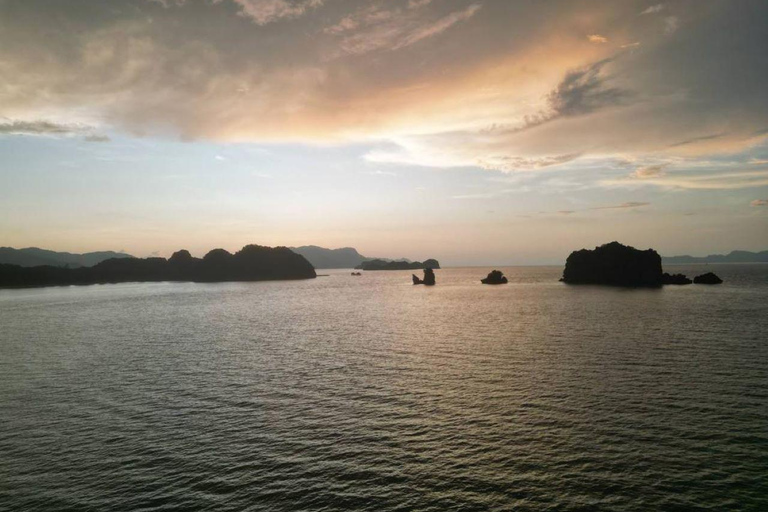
x,y
369,393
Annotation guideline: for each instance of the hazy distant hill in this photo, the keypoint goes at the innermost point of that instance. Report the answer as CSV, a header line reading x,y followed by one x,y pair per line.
x,y
320,257
379,264
731,257
346,257
34,257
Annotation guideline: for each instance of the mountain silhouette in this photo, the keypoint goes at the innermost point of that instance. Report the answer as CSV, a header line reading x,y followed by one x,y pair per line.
x,y
320,257
251,263
380,264
34,257
345,257
731,257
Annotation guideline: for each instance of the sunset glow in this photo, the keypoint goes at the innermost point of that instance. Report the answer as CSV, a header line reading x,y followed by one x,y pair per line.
x,y
395,127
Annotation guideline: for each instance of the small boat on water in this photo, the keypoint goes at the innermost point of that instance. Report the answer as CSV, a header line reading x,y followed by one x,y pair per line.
x,y
357,273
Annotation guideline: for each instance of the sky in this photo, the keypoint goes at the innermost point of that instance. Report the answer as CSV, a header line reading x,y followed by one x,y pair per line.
x,y
472,131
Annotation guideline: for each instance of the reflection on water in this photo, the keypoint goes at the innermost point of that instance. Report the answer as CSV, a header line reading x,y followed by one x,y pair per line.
x,y
368,393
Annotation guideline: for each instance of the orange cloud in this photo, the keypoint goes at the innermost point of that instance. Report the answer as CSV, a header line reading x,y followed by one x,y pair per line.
x,y
447,84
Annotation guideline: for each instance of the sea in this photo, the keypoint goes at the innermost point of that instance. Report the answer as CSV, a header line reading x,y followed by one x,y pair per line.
x,y
371,394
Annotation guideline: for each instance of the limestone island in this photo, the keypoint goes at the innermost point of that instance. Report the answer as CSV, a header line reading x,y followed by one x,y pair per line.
x,y
429,278
495,277
398,265
615,264
708,278
251,263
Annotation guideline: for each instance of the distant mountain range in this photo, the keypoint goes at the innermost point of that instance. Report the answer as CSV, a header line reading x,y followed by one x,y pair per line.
x,y
379,264
320,257
35,257
731,257
346,257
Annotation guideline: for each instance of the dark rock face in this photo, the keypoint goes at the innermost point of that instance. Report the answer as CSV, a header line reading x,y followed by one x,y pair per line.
x,y
251,263
495,277
429,278
708,278
614,264
398,265
674,279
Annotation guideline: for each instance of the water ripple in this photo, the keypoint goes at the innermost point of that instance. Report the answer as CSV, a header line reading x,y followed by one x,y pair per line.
x,y
370,394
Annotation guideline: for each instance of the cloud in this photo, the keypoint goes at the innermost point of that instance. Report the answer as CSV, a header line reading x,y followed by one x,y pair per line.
x,y
671,24
695,140
41,127
596,38
654,9
379,172
377,28
263,12
484,195
37,127
649,171
96,137
759,202
585,90
581,91
630,204
698,179
515,163
424,80
437,27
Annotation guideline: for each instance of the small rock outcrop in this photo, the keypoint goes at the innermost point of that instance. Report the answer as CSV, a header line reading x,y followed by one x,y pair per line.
x,y
674,279
708,278
495,277
429,278
614,264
